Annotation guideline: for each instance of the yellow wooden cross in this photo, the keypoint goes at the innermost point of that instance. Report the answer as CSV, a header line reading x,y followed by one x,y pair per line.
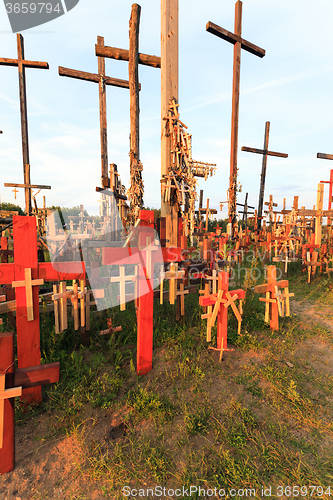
x,y
173,274
28,283
6,394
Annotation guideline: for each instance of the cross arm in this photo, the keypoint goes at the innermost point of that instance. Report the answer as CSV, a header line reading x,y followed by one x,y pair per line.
x,y
4,61
232,38
37,375
123,55
324,156
59,271
264,151
32,186
210,300
92,77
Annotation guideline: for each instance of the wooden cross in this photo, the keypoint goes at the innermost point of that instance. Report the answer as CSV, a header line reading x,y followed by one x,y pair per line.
x,y
28,283
172,275
245,212
110,329
15,191
145,307
102,81
12,382
134,58
121,279
273,297
221,301
26,269
239,43
22,63
6,394
265,153
270,205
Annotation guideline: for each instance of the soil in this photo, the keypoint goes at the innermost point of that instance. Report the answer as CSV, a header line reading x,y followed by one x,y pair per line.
x,y
52,467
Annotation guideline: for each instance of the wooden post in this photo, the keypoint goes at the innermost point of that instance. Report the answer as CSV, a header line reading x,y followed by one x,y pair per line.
x,y
239,43
7,451
169,90
133,70
320,199
265,153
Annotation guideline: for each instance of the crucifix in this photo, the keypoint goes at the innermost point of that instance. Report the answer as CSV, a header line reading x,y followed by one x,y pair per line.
x,y
330,182
102,81
239,43
134,58
265,153
22,63
15,191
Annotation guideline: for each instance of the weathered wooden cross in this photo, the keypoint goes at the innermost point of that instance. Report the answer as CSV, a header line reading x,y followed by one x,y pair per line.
x,y
134,58
239,43
265,153
102,81
22,63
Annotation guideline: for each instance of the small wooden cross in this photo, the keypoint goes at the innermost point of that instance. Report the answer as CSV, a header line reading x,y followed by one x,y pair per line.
x,y
6,394
121,279
15,191
173,274
28,283
110,329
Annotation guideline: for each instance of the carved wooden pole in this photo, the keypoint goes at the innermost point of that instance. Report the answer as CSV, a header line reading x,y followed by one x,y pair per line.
x,y
169,90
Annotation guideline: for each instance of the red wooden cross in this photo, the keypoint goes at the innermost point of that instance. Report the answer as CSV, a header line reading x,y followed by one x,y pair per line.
x,y
26,265
145,302
220,302
11,384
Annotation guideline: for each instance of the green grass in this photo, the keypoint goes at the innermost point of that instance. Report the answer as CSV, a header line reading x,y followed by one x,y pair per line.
x,y
248,422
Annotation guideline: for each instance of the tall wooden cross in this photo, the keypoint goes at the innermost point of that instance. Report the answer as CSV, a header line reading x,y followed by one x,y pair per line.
x,y
22,63
102,81
239,43
134,58
265,153
330,182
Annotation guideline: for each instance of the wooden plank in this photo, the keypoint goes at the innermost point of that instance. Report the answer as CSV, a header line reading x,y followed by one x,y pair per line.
x,y
58,271
262,151
234,38
5,61
324,156
123,55
92,77
35,376
26,185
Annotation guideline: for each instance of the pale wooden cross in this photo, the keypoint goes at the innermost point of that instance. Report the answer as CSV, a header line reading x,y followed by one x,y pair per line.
x,y
121,279
239,43
6,394
28,283
172,275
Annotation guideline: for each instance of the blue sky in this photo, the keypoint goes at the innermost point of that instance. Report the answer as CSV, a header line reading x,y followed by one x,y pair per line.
x,y
290,87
